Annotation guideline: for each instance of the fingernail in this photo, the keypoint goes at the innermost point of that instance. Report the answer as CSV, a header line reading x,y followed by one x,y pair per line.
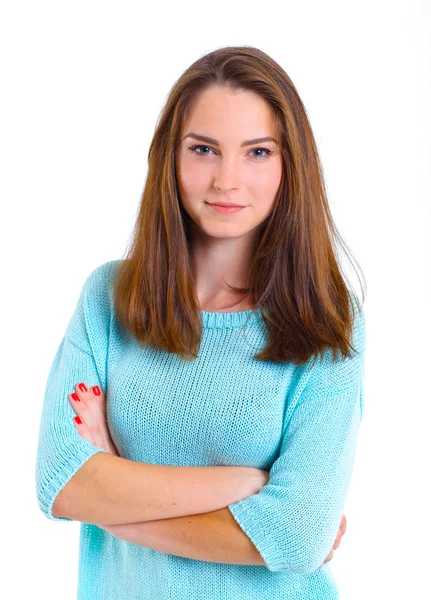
x,y
82,387
96,390
76,397
78,420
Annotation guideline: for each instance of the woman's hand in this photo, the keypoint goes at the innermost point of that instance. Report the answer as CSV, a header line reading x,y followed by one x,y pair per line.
x,y
90,407
341,532
91,422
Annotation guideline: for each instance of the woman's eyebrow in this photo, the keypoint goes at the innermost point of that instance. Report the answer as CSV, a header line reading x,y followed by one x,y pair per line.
x,y
203,138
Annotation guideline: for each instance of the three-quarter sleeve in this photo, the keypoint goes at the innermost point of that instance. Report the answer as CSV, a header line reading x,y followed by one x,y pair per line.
x,y
61,451
293,520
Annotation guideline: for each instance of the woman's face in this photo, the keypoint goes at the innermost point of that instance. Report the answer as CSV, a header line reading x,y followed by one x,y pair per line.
x,y
230,167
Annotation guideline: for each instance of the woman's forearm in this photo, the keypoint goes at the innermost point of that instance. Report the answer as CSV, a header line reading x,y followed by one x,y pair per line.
x,y
213,537
108,490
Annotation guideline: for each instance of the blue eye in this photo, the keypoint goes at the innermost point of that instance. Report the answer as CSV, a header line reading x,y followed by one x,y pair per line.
x,y
268,152
194,148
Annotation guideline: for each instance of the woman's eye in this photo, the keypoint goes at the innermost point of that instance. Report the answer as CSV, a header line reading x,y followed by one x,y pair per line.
x,y
194,148
266,151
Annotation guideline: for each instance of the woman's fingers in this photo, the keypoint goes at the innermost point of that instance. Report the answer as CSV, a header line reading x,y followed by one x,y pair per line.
x,y
94,403
79,399
340,533
337,540
82,429
330,556
89,407
343,524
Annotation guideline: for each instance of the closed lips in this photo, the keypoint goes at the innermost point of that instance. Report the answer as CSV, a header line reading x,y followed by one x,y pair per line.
x,y
226,205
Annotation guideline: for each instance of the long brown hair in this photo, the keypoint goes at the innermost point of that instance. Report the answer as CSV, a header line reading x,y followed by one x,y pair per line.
x,y
295,279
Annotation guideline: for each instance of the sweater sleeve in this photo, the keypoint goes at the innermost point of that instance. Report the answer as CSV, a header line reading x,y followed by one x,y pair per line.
x,y
80,356
294,519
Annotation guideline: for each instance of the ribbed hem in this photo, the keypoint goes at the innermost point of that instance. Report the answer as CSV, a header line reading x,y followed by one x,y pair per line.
x,y
267,548
226,320
52,482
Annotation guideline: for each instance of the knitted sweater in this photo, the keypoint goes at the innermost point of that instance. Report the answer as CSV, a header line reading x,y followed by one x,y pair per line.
x,y
224,408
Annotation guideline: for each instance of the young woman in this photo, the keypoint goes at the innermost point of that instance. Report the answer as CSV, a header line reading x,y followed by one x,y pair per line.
x,y
202,410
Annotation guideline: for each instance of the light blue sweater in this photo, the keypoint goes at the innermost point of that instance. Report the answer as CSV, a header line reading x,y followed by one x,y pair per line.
x,y
225,408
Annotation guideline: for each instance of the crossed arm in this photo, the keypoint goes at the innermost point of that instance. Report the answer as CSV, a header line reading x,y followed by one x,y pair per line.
x,y
214,537
192,520
109,489
185,510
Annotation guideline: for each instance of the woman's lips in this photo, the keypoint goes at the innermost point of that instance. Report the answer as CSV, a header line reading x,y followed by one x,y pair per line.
x,y
225,209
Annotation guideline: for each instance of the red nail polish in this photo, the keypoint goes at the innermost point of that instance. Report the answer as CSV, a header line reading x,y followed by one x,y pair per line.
x,y
76,397
96,390
82,387
78,420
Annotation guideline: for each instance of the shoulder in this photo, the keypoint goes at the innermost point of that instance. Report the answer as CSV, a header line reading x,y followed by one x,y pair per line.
x,y
94,307
329,375
100,279
97,289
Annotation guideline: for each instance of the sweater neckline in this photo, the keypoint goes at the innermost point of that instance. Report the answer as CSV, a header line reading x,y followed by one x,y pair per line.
x,y
225,320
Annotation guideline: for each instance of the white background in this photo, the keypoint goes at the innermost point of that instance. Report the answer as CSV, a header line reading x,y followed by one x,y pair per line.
x,y
83,84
